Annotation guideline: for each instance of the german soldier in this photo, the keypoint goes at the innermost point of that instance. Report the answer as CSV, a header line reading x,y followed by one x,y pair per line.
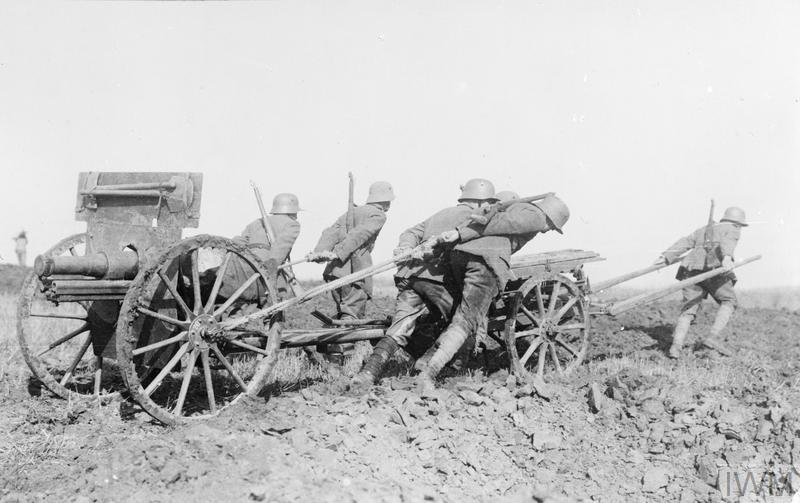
x,y
350,251
283,220
480,266
711,246
423,285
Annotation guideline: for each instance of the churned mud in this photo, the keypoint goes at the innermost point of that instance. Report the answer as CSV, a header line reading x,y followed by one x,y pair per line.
x,y
629,425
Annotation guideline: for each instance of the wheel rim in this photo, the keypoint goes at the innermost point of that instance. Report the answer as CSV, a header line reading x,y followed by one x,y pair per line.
x,y
55,339
550,331
176,361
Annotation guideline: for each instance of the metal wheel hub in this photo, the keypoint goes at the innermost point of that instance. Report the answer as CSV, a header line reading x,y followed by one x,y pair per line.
x,y
204,331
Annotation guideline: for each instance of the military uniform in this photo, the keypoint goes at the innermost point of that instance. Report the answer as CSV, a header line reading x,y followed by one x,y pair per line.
x,y
724,237
481,262
286,231
424,286
505,235
709,248
353,250
480,265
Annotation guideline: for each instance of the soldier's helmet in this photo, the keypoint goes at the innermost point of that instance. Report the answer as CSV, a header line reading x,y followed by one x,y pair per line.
x,y
556,211
735,215
505,196
285,204
478,188
380,192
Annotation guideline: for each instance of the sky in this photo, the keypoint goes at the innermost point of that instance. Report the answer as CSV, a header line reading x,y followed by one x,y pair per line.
x,y
635,113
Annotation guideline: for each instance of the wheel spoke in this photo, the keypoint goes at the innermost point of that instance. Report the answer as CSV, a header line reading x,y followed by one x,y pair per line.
x,y
540,366
239,291
98,374
163,317
566,346
566,307
531,348
83,328
554,356
553,298
539,300
166,370
198,300
244,345
526,333
175,295
530,315
217,282
564,328
77,360
187,377
228,367
66,316
159,344
212,402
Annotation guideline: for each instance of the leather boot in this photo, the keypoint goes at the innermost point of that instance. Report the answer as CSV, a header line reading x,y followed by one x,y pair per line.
x,y
679,335
720,321
373,366
448,345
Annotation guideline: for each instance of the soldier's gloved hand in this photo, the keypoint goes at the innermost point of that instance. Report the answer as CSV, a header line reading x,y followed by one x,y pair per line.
x,y
401,250
327,256
660,260
323,256
421,252
450,236
727,263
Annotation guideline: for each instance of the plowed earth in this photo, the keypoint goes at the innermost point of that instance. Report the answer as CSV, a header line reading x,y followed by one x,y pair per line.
x,y
629,425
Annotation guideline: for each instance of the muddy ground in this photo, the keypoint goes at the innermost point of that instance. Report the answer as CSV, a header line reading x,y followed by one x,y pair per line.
x,y
629,425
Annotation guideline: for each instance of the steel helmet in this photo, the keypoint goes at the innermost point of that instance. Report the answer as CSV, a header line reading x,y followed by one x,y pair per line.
x,y
735,215
380,192
505,196
285,204
478,188
556,211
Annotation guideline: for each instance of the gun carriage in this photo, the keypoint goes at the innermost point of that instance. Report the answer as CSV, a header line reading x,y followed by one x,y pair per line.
x,y
191,325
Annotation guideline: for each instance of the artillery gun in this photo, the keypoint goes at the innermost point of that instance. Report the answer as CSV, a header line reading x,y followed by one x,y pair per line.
x,y
72,300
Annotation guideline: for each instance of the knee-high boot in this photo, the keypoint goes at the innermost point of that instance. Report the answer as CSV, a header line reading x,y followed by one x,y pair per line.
x,y
679,335
449,343
375,363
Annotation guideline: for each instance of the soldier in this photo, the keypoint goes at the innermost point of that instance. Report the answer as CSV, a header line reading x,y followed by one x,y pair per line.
x,y
20,246
480,266
711,246
423,286
284,223
349,251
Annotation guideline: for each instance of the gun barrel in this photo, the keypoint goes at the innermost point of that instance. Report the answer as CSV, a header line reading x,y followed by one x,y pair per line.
x,y
97,265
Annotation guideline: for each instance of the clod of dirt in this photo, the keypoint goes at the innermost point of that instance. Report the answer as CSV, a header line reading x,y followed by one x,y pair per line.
x,y
707,469
545,440
654,479
596,399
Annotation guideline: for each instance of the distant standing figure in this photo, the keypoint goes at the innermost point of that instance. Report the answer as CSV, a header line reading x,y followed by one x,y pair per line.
x,y
711,246
21,246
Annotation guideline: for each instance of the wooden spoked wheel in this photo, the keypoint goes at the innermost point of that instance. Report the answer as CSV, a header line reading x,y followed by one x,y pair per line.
x,y
54,337
550,331
176,360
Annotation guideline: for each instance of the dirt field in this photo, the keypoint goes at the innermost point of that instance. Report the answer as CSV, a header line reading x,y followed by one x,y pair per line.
x,y
630,425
